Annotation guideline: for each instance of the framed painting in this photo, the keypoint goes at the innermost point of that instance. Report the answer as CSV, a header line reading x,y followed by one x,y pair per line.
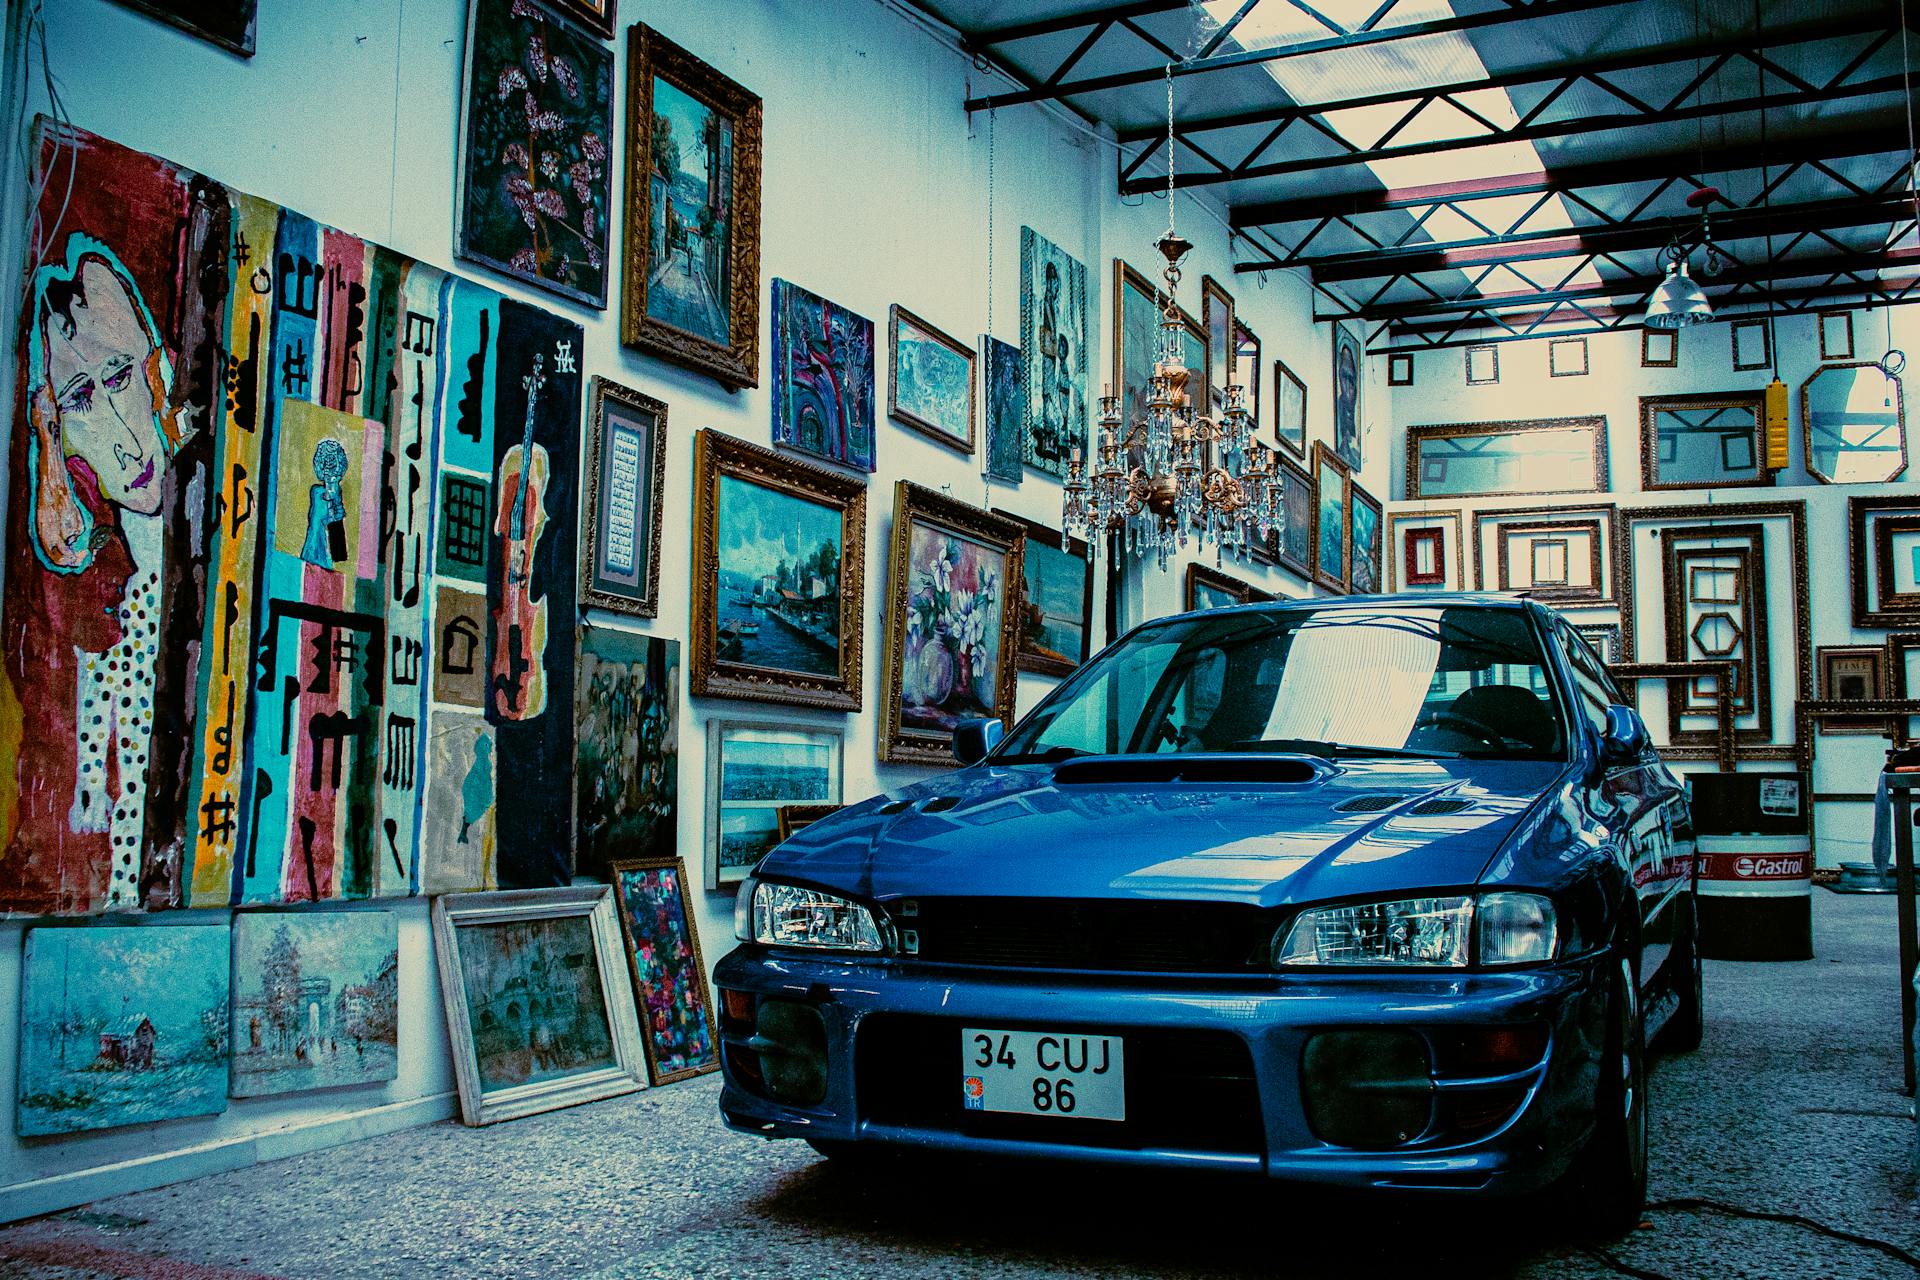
x,y
690,287
779,552
1055,608
929,380
538,1002
1289,409
1853,673
1216,319
823,394
669,978
535,188
1000,375
1349,376
1138,308
316,1000
1293,540
626,470
627,763
598,14
1331,483
1365,568
1054,330
755,769
1208,588
227,23
121,1025
1246,368
951,630
796,817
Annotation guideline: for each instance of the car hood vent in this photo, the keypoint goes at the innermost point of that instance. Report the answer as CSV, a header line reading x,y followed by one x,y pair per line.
x,y
1369,804
1294,770
1440,807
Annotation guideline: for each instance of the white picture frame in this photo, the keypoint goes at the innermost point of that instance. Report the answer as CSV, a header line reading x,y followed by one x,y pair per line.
x,y
721,877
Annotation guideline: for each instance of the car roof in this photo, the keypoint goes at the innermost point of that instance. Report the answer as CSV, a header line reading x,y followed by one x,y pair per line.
x,y
1421,600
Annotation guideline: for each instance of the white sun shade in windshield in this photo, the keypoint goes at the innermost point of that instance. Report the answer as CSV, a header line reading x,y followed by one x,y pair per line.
x,y
1357,678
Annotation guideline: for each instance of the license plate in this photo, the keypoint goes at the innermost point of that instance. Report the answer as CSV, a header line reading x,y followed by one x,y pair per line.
x,y
1043,1073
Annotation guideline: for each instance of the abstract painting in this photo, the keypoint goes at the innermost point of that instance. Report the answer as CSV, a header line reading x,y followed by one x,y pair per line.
x,y
538,1005
629,762
1001,374
537,119
951,630
669,978
1056,600
930,380
121,1025
1053,337
823,396
343,512
692,269
754,769
626,468
777,576
1349,372
227,23
316,1000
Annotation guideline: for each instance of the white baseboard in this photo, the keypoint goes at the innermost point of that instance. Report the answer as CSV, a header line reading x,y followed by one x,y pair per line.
x,y
66,1190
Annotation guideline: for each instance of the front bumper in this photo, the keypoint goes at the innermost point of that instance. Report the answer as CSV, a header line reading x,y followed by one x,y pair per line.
x,y
1217,1082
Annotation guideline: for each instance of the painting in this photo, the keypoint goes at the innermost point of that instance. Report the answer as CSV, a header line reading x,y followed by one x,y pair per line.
x,y
755,769
669,978
537,997
628,773
121,1025
1289,409
1853,673
457,830
237,627
316,1000
778,574
1053,336
1293,540
1349,373
1330,537
1365,558
1001,376
1216,319
823,395
626,469
535,125
597,14
1136,340
227,23
1208,588
951,630
691,278
1056,600
929,380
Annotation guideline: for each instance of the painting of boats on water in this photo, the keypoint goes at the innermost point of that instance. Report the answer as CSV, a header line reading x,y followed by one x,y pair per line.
x,y
779,599
316,1000
121,1025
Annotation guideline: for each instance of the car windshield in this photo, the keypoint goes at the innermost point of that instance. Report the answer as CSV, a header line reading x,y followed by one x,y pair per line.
x,y
1347,680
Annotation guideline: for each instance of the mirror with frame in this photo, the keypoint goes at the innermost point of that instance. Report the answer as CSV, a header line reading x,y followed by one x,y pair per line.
x,y
1701,441
1853,424
1479,459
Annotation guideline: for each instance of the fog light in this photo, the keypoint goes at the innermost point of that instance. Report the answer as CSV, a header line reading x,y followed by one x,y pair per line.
x,y
736,1007
792,1042
1368,1088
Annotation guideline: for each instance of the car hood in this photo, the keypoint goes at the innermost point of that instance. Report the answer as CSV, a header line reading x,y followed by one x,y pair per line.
x,y
1179,827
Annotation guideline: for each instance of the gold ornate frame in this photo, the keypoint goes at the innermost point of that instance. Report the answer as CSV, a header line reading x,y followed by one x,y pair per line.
x,y
913,504
646,604
1213,295
1869,553
714,456
1283,375
678,865
1806,421
1358,497
1606,574
737,363
933,431
1200,575
1300,567
1649,455
1400,522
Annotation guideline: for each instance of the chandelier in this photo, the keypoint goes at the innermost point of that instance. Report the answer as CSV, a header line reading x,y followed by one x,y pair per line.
x,y
1175,474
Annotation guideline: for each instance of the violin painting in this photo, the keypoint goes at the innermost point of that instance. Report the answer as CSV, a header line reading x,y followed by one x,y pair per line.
x,y
520,623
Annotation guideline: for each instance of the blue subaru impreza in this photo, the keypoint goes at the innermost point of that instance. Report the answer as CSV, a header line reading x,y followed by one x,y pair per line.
x,y
1380,893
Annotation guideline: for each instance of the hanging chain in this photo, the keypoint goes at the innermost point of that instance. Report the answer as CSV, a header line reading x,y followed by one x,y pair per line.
x,y
1169,148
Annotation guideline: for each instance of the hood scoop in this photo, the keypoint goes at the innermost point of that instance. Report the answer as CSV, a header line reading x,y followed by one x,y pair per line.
x,y
1440,807
1266,770
1369,804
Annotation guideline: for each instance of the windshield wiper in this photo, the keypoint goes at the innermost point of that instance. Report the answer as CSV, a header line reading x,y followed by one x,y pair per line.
x,y
1329,750
1052,755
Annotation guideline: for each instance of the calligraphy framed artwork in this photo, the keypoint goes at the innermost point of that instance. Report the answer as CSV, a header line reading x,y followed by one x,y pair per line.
x,y
626,470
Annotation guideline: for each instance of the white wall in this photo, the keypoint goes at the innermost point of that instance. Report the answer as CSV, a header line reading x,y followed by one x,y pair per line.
x,y
875,192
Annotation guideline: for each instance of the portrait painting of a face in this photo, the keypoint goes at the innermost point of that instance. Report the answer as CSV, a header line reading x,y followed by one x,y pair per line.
x,y
1346,396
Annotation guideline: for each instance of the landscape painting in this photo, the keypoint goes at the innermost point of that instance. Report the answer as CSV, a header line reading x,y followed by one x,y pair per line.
x,y
1056,601
121,1025
779,580
1365,560
535,128
316,1000
931,384
629,755
534,1003
669,978
823,395
1001,375
688,283
1053,335
754,769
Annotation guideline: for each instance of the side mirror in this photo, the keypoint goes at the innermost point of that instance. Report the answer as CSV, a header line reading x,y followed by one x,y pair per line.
x,y
973,739
1625,737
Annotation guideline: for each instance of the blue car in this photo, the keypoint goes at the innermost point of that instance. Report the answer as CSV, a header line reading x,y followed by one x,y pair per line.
x,y
1370,892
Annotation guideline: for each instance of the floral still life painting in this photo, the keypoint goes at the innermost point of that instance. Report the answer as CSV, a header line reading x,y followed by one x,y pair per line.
x,y
121,1025
535,185
669,978
315,1000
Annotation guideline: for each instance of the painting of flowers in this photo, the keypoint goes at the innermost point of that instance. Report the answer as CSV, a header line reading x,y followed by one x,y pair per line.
x,y
669,978
535,183
822,378
951,636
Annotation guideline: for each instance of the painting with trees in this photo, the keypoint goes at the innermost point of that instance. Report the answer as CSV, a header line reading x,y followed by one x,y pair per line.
x,y
315,1000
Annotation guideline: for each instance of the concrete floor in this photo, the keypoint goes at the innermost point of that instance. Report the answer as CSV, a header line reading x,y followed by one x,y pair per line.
x,y
1793,1106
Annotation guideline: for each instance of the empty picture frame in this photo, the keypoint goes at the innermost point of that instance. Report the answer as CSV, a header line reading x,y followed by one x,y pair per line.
x,y
1836,335
1399,368
1752,344
1424,551
1659,349
1289,409
1562,554
1567,358
1483,365
1707,441
1488,459
1883,560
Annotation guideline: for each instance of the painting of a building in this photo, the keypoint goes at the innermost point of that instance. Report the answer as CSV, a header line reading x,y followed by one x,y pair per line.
x,y
315,1000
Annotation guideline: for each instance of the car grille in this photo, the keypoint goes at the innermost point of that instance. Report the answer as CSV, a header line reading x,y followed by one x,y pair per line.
x,y
1064,933
1187,1090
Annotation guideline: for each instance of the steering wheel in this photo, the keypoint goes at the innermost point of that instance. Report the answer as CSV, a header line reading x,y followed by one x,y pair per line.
x,y
1458,723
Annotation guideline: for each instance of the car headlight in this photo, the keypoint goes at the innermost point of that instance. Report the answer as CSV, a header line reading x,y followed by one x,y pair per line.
x,y
784,915
1439,933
